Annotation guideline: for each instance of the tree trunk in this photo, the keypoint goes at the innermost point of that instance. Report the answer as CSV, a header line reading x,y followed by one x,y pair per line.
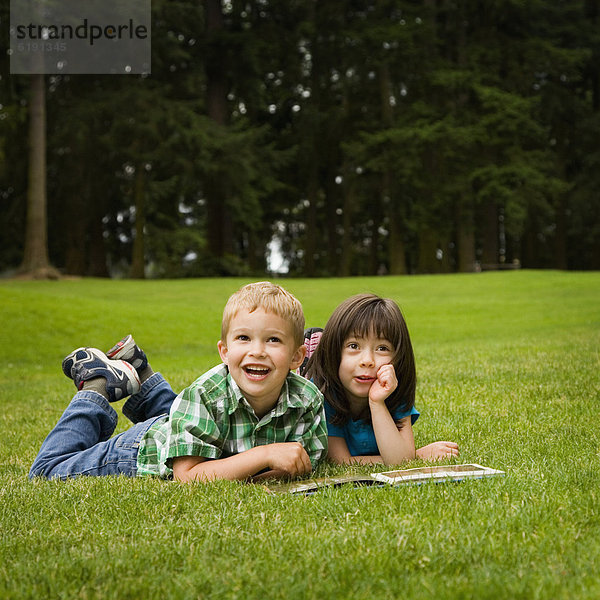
x,y
490,234
36,262
434,255
428,262
138,253
465,238
560,247
311,233
373,262
332,191
216,84
255,263
345,263
97,266
397,253
396,250
75,235
219,224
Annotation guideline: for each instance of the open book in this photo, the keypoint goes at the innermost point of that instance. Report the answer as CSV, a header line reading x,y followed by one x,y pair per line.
x,y
417,475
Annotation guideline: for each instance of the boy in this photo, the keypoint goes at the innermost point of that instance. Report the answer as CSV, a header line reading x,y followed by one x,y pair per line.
x,y
250,416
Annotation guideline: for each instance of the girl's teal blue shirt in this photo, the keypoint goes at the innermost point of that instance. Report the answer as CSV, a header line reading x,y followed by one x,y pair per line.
x,y
359,435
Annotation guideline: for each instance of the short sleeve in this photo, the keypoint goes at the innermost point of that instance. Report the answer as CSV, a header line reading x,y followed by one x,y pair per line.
x,y
193,429
332,430
314,433
303,419
400,413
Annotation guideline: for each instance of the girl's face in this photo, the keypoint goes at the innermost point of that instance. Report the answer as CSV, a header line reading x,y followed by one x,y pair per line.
x,y
361,359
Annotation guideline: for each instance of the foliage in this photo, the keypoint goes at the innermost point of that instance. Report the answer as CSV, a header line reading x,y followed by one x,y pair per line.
x,y
366,136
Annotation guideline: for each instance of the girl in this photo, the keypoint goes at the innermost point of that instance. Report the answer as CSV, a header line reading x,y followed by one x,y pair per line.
x,y
364,366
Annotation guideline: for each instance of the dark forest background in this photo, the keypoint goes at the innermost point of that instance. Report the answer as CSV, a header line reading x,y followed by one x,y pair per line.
x,y
357,137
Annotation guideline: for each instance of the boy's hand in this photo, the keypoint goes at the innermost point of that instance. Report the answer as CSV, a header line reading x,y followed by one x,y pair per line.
x,y
384,385
289,457
438,450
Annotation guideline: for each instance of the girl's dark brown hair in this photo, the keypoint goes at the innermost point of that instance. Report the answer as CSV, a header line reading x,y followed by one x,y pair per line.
x,y
359,316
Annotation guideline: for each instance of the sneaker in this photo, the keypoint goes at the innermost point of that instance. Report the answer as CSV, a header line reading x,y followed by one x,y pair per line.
x,y
127,350
84,364
312,337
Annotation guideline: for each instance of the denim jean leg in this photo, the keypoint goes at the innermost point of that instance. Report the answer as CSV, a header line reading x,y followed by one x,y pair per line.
x,y
154,399
80,443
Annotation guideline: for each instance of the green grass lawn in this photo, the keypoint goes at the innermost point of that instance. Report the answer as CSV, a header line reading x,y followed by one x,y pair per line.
x,y
508,366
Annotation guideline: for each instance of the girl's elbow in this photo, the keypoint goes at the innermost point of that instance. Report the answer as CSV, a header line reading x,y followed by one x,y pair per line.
x,y
399,459
334,458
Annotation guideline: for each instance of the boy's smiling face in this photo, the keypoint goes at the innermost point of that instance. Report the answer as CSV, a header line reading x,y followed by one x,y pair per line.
x,y
260,351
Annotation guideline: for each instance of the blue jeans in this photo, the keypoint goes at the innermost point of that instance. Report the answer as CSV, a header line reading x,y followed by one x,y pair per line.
x,y
81,442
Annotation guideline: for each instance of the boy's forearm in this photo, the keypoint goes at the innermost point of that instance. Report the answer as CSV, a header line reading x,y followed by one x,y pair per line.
x,y
235,468
289,457
270,474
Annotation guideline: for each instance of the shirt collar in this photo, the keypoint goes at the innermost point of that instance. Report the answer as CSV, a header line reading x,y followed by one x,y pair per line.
x,y
235,394
285,401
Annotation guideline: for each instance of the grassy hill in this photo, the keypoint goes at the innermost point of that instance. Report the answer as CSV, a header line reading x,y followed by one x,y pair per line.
x,y
508,366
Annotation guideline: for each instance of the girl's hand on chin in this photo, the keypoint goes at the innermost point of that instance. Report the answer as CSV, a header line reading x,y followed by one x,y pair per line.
x,y
384,385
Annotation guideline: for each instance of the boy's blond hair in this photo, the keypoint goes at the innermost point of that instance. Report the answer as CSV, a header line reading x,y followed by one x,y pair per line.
x,y
271,298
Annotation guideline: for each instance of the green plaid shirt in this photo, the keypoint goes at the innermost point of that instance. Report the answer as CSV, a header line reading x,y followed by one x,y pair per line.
x,y
211,418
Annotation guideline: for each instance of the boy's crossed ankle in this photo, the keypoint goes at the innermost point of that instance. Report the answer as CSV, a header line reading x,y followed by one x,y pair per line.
x,y
126,349
114,379
97,384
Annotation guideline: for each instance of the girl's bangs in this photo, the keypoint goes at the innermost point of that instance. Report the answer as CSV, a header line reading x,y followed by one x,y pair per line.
x,y
377,320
